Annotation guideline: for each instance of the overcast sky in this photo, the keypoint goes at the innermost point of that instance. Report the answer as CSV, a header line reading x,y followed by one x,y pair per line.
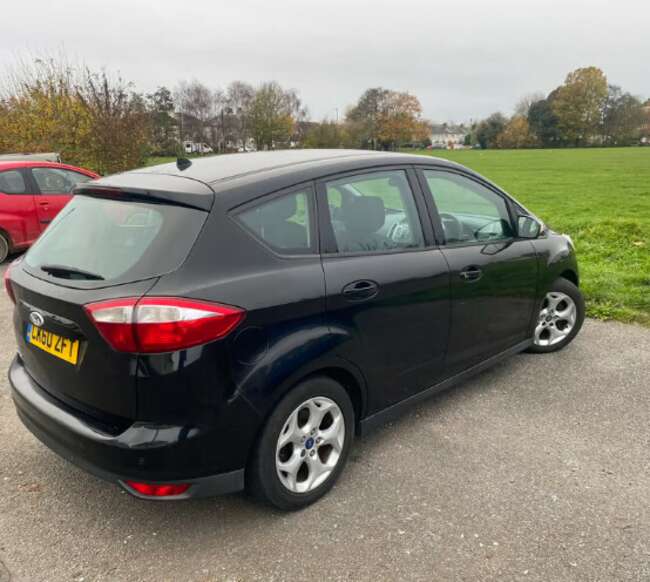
x,y
464,59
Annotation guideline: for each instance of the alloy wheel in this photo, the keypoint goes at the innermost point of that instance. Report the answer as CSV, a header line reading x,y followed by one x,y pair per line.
x,y
310,444
556,319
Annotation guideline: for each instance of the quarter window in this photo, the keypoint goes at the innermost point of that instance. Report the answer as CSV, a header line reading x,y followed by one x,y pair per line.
x,y
12,182
57,180
469,211
373,213
283,223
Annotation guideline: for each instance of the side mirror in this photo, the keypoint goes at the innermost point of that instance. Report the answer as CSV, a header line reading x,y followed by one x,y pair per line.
x,y
529,227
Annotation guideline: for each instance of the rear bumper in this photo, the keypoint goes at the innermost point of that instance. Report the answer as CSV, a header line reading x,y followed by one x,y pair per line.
x,y
144,452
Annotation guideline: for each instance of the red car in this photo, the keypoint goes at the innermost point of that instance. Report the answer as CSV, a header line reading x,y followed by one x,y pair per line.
x,y
31,195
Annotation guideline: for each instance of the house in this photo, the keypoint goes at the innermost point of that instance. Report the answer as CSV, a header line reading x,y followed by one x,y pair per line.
x,y
448,136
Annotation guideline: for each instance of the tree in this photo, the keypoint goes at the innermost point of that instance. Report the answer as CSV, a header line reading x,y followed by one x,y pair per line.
x,y
120,125
401,121
164,141
197,106
91,119
622,118
364,118
579,105
239,96
516,134
526,102
327,134
543,123
489,129
272,114
386,119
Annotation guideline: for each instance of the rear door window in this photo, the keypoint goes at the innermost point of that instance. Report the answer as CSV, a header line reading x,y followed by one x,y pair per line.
x,y
283,222
373,213
57,180
95,241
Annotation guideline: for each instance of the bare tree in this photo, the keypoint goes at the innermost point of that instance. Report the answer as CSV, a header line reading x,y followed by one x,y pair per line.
x,y
197,108
524,104
238,99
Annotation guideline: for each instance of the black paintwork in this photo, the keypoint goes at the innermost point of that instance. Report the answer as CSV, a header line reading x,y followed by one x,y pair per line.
x,y
392,327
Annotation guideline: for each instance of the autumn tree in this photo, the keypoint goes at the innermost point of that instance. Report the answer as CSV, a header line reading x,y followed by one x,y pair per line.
x,y
120,132
516,134
91,119
386,119
364,118
579,104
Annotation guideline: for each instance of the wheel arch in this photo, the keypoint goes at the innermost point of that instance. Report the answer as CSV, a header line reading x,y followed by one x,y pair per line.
x,y
570,275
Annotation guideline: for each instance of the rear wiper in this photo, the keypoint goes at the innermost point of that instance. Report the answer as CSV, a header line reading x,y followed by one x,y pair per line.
x,y
70,272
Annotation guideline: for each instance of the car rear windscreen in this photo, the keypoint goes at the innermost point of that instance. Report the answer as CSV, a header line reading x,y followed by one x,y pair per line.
x,y
95,241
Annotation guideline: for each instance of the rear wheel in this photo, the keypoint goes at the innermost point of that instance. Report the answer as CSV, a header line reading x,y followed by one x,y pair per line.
x,y
4,248
304,445
560,317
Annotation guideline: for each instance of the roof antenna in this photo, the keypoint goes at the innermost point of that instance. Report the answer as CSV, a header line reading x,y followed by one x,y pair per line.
x,y
183,163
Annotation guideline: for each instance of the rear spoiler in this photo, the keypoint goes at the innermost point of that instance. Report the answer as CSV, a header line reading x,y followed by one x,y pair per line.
x,y
132,186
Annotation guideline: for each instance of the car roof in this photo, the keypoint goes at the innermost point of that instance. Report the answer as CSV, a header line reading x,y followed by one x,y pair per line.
x,y
13,165
227,167
244,176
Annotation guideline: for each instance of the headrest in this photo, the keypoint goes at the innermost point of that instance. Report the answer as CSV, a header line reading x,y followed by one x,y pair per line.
x,y
280,209
363,213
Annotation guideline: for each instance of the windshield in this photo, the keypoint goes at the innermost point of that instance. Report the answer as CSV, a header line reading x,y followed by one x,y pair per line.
x,y
100,240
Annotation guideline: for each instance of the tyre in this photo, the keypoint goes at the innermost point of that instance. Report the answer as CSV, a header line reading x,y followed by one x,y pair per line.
x,y
304,446
4,248
560,317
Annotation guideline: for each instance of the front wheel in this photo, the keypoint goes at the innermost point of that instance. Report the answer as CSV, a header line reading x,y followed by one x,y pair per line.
x,y
304,445
560,317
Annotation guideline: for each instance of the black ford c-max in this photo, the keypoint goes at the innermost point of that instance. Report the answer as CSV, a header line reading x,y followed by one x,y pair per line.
x,y
198,328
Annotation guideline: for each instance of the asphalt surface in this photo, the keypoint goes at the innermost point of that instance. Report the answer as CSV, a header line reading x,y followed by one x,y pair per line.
x,y
538,469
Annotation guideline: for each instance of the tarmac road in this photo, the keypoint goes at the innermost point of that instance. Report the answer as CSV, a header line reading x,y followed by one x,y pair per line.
x,y
538,469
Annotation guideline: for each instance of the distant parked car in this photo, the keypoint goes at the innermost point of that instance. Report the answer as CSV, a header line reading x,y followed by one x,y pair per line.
x,y
31,195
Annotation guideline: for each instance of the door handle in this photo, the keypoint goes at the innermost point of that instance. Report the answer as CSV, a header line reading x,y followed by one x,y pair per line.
x,y
44,203
471,273
360,290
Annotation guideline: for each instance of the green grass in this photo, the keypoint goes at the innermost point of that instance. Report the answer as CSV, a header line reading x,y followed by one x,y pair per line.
x,y
601,197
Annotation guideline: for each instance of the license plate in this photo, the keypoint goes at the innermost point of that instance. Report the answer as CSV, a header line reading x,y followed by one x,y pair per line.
x,y
56,345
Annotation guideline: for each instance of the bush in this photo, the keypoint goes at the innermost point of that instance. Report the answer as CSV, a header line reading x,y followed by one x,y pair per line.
x,y
92,120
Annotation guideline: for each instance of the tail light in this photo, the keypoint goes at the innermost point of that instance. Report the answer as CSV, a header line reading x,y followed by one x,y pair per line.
x,y
162,324
7,282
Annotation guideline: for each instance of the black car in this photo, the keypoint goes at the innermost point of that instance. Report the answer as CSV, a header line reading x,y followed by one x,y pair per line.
x,y
233,322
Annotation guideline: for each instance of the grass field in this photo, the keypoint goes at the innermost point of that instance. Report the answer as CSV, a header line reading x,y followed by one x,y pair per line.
x,y
601,197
